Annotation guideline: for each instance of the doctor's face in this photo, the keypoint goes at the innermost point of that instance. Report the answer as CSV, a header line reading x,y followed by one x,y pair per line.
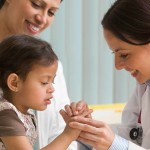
x,y
29,16
132,58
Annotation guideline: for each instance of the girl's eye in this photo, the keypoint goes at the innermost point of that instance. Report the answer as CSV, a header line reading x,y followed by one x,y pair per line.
x,y
44,83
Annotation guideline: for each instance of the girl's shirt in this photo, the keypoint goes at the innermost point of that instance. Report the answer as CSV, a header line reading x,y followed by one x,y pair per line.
x,y
15,123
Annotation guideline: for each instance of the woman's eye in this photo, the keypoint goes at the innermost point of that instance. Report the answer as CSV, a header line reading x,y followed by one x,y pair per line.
x,y
36,5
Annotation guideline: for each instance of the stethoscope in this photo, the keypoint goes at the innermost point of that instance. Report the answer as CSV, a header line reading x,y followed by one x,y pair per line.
x,y
137,132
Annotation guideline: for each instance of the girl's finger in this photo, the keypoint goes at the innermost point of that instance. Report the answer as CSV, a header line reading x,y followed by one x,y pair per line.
x,y
74,108
68,110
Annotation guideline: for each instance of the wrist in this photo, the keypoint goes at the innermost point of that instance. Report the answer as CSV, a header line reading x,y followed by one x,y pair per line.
x,y
71,134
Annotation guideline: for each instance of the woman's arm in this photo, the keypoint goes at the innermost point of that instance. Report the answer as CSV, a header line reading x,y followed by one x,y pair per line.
x,y
95,133
100,136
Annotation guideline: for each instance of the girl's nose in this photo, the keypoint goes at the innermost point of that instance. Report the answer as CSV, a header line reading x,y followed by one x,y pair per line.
x,y
51,89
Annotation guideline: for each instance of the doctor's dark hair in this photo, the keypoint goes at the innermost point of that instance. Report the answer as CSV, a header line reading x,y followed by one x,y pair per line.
x,y
129,20
3,1
20,53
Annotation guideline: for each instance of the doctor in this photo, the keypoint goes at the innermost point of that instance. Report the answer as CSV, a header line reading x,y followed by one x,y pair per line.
x,y
127,32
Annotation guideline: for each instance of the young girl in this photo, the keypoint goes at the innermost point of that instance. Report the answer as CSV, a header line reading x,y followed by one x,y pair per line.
x,y
27,71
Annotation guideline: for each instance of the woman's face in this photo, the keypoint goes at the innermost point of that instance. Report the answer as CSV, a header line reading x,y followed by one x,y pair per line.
x,y
29,16
132,58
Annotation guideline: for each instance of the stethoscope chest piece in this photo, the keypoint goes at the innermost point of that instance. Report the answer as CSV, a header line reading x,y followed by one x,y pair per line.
x,y
134,133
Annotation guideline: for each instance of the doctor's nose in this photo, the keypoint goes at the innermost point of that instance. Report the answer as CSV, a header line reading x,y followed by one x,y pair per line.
x,y
119,63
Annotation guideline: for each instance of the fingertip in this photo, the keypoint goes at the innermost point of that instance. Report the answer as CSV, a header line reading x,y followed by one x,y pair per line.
x,y
61,110
81,105
79,108
71,124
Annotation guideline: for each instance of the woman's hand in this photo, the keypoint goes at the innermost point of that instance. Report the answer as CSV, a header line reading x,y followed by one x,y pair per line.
x,y
95,133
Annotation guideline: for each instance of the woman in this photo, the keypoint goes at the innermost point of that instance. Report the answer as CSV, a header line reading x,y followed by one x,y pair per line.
x,y
31,17
127,32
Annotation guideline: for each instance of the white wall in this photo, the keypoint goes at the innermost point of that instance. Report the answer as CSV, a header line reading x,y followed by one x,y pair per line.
x,y
77,37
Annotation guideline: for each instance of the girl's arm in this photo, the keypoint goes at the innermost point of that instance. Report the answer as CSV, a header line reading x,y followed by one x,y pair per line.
x,y
16,143
61,142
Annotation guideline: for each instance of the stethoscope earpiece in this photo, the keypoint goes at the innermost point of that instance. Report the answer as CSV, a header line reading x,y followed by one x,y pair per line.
x,y
134,133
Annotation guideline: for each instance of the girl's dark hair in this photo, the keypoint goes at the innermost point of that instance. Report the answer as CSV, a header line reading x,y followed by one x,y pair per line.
x,y
19,53
129,20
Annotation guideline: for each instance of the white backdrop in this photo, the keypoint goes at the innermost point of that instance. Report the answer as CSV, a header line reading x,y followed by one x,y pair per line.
x,y
77,37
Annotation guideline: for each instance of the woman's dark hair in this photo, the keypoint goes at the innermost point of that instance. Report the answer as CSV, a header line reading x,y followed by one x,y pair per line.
x,y
129,20
19,53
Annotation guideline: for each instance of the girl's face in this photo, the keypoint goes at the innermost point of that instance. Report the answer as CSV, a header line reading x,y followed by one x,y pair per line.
x,y
132,58
37,89
29,16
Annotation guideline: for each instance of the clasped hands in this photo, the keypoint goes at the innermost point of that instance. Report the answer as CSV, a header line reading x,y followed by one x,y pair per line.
x,y
96,133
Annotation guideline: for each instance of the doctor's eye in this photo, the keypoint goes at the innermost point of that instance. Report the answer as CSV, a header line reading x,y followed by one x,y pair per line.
x,y
124,56
51,13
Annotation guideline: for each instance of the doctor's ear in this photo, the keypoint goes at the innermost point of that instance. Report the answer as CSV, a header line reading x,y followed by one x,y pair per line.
x,y
8,1
13,82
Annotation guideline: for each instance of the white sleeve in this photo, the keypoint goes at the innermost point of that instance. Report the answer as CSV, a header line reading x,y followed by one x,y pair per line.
x,y
50,122
133,146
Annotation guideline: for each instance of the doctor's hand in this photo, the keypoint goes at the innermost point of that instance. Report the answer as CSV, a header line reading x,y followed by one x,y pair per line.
x,y
78,109
95,133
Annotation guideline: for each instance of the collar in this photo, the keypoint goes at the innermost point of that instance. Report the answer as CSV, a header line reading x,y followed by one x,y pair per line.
x,y
147,82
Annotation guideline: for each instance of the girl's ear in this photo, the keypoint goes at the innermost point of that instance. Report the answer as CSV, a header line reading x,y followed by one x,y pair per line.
x,y
13,82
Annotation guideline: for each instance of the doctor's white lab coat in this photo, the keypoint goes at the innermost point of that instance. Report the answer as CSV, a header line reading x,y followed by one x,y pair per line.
x,y
139,102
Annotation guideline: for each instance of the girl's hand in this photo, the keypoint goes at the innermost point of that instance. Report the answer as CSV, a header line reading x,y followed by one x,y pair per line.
x,y
74,109
78,109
